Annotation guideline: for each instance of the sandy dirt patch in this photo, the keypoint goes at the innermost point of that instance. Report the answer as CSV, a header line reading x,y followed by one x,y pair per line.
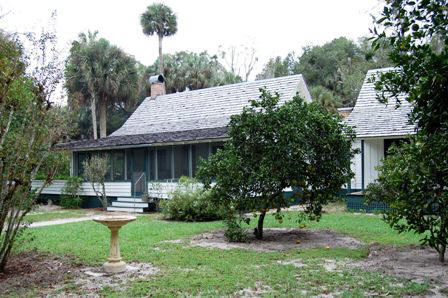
x,y
94,279
258,291
34,270
419,264
279,240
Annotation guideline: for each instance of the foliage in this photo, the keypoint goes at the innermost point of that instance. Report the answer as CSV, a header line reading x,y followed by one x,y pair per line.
x,y
414,178
273,147
95,171
192,70
413,181
417,32
159,19
337,68
29,128
70,198
98,73
189,202
234,231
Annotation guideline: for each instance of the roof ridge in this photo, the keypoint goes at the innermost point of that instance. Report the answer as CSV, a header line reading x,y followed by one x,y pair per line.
x,y
230,85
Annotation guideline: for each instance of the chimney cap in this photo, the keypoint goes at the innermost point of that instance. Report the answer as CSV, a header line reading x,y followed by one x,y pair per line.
x,y
156,79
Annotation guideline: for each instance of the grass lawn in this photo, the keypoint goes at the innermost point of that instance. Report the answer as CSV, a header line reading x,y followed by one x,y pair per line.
x,y
197,271
57,214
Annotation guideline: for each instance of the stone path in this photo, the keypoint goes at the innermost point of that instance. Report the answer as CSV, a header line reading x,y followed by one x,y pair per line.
x,y
59,221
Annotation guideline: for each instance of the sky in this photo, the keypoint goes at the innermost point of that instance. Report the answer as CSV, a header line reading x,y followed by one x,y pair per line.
x,y
273,28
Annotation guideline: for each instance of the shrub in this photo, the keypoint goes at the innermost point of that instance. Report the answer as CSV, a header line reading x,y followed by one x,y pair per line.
x,y
234,232
70,198
189,202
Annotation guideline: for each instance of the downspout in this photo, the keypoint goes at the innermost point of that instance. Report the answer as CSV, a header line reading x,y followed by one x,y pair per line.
x,y
362,165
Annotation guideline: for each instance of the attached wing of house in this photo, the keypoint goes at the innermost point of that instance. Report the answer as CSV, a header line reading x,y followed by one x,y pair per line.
x,y
167,135
377,126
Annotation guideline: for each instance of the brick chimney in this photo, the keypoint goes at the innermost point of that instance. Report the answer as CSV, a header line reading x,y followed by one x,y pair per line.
x,y
157,85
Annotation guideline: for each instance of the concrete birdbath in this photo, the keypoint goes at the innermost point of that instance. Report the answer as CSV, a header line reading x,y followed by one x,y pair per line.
x,y
114,263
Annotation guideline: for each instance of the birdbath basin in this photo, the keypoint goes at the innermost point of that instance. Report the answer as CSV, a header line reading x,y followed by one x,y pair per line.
x,y
114,263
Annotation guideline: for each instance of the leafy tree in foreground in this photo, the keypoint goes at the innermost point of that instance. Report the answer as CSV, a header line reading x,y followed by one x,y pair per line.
x,y
29,127
95,171
273,147
159,19
414,179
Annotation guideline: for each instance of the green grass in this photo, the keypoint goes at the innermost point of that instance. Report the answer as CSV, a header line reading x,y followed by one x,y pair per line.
x,y
200,271
53,215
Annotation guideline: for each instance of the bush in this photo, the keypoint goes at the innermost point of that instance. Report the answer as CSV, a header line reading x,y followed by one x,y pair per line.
x,y
70,198
189,202
234,232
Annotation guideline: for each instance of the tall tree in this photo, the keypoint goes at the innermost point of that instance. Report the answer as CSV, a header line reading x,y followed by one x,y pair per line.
x,y
101,73
338,67
159,19
29,128
195,71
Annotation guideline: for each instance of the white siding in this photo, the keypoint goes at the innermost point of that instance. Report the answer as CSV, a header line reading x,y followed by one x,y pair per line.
x,y
373,156
356,166
160,189
113,189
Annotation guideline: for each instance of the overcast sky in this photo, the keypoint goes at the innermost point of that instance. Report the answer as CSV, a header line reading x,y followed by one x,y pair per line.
x,y
273,27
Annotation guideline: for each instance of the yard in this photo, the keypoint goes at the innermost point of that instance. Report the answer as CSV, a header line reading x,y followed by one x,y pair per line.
x,y
363,257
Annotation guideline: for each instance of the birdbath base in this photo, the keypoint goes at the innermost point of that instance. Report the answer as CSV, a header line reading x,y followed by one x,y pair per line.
x,y
114,263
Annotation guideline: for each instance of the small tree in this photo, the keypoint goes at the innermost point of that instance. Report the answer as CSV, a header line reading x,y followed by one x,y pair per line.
x,y
273,147
413,181
95,171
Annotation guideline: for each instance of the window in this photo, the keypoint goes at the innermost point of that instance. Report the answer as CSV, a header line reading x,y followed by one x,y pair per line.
x,y
82,156
216,146
152,165
181,161
199,152
164,163
118,165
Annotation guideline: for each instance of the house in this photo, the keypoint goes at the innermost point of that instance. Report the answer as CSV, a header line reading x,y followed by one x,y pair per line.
x,y
166,137
377,127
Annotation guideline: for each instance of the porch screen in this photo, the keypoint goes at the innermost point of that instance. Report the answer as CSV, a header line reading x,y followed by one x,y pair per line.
x,y
164,163
118,164
181,161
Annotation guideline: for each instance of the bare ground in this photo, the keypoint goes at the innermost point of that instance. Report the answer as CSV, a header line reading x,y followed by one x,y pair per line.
x,y
279,240
32,269
419,264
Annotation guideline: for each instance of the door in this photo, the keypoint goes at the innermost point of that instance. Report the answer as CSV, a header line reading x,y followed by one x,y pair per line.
x,y
139,175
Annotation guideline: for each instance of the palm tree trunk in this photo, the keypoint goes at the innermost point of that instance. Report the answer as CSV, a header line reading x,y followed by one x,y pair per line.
x,y
160,55
103,116
93,109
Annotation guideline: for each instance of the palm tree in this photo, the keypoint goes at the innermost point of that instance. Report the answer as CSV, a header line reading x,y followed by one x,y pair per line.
x,y
159,19
101,72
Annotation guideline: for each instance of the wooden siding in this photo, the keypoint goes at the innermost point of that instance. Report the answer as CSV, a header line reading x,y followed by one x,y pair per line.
x,y
113,189
356,182
160,189
373,156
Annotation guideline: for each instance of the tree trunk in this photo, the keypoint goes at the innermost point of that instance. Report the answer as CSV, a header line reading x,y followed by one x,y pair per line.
x,y
442,254
103,117
258,231
93,109
160,55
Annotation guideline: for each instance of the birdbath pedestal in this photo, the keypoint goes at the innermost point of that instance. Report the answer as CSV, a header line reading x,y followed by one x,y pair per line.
x,y
114,263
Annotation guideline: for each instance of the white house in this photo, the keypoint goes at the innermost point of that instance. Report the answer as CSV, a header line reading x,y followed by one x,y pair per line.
x,y
377,127
167,135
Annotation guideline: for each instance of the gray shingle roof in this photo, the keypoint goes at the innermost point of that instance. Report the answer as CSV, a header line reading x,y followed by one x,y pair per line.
x,y
370,118
191,116
147,139
205,108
